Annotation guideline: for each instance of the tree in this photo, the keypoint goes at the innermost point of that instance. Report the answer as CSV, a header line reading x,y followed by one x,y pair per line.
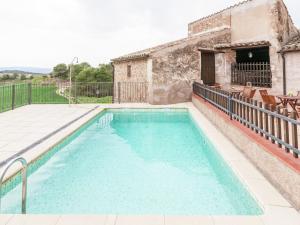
x,y
88,74
60,71
84,72
76,69
23,77
5,77
105,73
14,76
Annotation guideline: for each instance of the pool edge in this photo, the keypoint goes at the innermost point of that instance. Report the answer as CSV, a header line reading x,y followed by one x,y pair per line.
x,y
270,211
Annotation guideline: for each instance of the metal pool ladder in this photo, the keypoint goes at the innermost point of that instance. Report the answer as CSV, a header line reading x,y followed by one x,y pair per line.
x,y
24,180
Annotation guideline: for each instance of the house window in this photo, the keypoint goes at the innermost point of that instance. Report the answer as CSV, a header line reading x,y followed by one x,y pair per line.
x,y
254,55
252,66
128,70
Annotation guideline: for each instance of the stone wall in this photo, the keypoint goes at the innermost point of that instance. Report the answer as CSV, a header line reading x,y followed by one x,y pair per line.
x,y
282,30
176,68
211,23
293,72
282,23
139,73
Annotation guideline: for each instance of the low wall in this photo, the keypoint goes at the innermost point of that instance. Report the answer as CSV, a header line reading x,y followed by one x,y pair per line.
x,y
280,168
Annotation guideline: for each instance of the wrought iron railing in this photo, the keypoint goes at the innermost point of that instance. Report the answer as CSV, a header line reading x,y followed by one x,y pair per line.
x,y
19,94
132,92
259,74
274,124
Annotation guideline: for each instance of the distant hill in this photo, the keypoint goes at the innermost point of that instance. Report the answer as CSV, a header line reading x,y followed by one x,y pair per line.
x,y
25,70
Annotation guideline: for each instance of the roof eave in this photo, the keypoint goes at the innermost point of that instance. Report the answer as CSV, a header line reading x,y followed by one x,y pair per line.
x,y
130,58
238,46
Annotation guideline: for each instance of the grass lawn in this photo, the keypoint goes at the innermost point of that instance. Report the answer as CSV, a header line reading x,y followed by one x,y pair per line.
x,y
47,94
83,100
40,94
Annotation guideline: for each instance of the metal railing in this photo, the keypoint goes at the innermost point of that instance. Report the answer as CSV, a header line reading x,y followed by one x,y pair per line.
x,y
100,92
15,95
24,180
275,124
259,74
136,92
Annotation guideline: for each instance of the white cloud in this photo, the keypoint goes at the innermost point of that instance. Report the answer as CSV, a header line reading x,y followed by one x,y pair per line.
x,y
45,32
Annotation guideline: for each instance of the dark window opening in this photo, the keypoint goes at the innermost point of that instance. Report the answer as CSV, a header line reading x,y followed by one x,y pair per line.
x,y
128,70
253,55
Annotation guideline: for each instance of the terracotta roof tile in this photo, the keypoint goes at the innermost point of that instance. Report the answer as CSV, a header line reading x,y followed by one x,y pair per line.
x,y
243,45
292,45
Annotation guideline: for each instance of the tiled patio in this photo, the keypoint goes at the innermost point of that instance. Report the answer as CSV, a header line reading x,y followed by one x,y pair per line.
x,y
26,125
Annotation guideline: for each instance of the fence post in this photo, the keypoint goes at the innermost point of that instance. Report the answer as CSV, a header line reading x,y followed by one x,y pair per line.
x,y
119,92
272,123
29,93
113,92
251,114
266,121
75,92
230,109
13,96
279,135
286,129
260,105
256,115
294,133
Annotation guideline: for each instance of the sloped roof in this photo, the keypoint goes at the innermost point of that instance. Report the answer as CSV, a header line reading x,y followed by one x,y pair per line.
x,y
146,52
243,45
292,45
132,56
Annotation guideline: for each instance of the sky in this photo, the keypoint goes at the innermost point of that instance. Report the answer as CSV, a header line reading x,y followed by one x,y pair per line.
x,y
43,33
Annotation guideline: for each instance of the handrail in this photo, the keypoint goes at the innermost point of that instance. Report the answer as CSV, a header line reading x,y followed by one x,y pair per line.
x,y
24,180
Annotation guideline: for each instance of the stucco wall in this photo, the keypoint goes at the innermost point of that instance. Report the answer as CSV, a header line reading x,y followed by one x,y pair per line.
x,y
251,21
177,67
293,71
223,66
259,20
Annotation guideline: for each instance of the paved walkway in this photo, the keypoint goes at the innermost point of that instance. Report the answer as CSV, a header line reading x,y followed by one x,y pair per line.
x,y
26,125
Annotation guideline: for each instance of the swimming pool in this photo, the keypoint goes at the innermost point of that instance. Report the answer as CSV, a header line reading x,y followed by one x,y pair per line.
x,y
133,162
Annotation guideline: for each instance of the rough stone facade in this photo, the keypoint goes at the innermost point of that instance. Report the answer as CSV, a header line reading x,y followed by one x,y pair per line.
x,y
139,74
174,66
219,21
138,70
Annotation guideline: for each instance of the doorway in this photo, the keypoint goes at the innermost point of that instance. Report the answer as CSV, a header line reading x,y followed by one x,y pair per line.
x,y
208,70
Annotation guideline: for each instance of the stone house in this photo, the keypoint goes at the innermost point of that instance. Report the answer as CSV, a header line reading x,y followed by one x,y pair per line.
x,y
253,41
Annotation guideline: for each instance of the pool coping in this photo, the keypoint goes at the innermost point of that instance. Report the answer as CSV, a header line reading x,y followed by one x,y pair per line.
x,y
276,209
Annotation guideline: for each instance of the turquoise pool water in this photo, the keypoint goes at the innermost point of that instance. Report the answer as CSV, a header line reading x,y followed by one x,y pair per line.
x,y
133,162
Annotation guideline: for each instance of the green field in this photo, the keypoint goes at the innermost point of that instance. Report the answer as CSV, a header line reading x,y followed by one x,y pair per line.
x,y
39,94
85,100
